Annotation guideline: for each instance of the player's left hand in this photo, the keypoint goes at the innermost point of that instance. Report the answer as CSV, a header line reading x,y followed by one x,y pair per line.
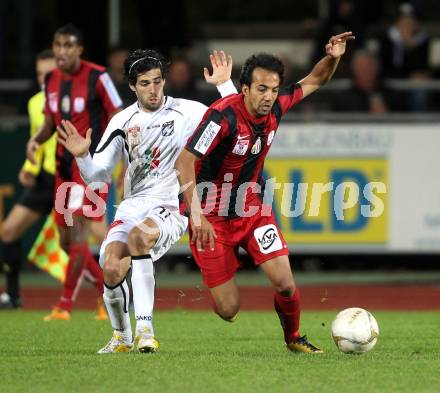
x,y
221,68
336,44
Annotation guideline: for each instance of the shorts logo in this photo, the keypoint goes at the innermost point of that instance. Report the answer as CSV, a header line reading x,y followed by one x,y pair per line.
x,y
168,128
256,148
79,104
268,239
270,137
241,147
208,135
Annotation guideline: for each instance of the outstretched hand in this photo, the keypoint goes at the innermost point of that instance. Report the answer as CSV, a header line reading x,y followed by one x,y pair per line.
x,y
221,68
336,44
70,138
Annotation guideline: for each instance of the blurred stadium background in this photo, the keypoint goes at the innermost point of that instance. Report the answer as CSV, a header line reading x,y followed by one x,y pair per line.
x,y
376,121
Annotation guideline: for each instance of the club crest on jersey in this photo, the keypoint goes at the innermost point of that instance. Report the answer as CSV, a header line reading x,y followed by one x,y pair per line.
x,y
79,104
256,148
168,128
53,102
134,136
270,137
241,147
65,104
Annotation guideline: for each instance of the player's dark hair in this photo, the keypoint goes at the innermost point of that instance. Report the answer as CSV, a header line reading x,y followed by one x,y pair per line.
x,y
71,29
141,61
261,60
45,54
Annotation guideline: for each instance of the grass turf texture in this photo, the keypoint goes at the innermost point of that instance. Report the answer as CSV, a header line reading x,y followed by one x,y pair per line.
x,y
201,353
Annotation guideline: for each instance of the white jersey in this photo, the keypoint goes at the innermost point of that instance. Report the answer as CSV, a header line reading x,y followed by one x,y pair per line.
x,y
149,143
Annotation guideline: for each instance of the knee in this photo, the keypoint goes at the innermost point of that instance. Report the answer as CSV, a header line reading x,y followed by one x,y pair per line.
x,y
285,287
112,269
227,310
140,242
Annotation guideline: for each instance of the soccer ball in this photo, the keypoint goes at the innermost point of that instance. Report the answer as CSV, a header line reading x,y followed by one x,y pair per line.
x,y
355,330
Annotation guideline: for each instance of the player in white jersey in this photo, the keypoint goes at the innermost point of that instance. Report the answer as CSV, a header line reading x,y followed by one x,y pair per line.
x,y
148,135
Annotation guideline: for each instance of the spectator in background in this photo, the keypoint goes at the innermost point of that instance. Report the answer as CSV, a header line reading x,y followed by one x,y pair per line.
x,y
404,52
181,82
367,93
115,67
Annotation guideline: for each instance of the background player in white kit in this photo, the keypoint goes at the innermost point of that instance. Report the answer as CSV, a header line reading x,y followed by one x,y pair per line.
x,y
149,136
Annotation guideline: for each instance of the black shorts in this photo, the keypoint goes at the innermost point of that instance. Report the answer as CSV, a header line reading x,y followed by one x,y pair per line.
x,y
39,197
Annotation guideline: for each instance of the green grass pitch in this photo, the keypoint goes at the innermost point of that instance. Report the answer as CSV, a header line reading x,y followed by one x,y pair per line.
x,y
201,353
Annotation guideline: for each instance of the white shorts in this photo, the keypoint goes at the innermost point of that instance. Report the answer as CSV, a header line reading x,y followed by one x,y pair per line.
x,y
132,212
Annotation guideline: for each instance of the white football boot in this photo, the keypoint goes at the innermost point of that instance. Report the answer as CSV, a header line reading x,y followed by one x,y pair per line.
x,y
145,341
117,344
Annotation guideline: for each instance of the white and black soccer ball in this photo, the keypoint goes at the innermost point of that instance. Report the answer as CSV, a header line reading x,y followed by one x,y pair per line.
x,y
355,330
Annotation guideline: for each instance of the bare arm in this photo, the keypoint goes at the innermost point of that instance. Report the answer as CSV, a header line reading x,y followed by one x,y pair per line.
x,y
326,67
203,232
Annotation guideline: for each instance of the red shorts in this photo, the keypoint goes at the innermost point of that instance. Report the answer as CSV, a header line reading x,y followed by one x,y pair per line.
x,y
73,197
258,235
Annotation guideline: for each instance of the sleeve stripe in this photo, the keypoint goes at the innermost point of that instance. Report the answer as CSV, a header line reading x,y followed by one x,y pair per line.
x,y
112,136
111,90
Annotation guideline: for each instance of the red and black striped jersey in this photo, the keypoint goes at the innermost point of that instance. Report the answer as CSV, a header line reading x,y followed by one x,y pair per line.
x,y
232,146
88,98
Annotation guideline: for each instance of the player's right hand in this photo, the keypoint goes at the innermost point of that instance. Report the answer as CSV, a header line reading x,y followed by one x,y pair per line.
x,y
31,149
70,138
26,179
203,232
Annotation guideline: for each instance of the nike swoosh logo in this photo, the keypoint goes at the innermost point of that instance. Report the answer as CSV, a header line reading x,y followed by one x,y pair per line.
x,y
242,137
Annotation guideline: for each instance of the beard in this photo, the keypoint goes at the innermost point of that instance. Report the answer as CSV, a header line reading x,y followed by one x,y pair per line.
x,y
150,107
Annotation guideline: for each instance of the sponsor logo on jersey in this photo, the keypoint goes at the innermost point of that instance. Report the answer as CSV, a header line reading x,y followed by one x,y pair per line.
x,y
79,104
65,104
208,135
270,137
256,148
241,147
168,128
268,239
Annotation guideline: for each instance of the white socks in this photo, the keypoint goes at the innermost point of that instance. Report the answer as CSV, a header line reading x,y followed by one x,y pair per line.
x,y
117,301
143,283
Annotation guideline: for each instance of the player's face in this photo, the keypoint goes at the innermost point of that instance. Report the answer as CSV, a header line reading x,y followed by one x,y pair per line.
x,y
67,52
149,89
42,67
260,96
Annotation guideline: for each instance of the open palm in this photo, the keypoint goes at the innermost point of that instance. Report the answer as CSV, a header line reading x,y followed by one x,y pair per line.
x,y
70,138
221,68
336,45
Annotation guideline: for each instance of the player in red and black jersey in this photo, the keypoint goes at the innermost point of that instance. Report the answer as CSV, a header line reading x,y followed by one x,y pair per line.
x,y
225,158
83,93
